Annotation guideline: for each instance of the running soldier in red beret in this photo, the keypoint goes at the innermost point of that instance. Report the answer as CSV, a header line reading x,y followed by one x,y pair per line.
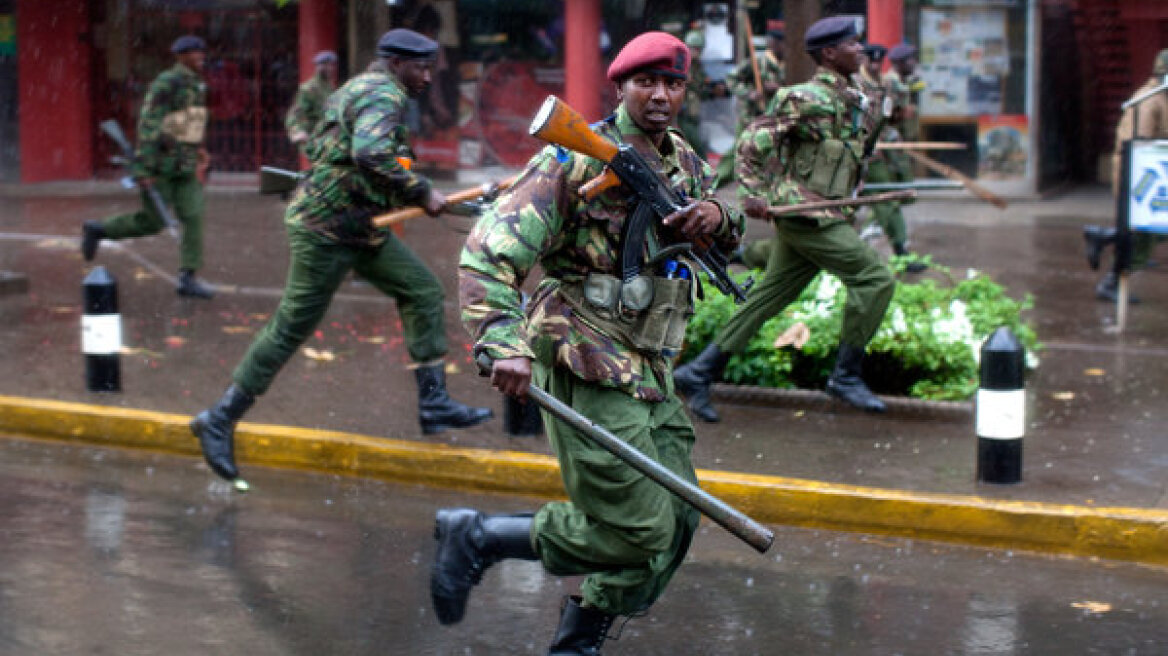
x,y
624,532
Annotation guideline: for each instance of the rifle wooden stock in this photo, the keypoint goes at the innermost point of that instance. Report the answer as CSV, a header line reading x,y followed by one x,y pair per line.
x,y
559,124
948,171
784,210
464,196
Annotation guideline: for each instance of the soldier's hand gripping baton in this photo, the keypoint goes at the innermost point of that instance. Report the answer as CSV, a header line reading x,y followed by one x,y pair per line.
x,y
726,516
559,124
486,191
126,159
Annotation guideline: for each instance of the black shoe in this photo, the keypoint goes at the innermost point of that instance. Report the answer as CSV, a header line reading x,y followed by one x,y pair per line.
x,y
582,630
911,267
694,378
190,286
1096,238
215,428
436,410
468,543
92,233
847,385
1108,290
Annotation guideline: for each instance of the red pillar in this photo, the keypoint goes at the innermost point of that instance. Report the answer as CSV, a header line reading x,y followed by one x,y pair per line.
x,y
56,114
582,58
317,31
885,22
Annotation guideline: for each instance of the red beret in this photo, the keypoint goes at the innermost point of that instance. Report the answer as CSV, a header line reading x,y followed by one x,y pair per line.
x,y
659,52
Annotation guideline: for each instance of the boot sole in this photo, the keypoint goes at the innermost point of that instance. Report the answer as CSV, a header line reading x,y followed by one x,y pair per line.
x,y
434,429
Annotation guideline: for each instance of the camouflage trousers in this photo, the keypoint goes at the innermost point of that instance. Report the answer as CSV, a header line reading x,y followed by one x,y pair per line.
x,y
317,269
184,194
625,532
801,250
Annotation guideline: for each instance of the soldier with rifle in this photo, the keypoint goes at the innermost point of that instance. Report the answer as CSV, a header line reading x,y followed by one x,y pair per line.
x,y
357,173
172,160
308,105
618,246
811,145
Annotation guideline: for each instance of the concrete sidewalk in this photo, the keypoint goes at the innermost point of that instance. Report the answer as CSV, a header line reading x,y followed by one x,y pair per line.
x,y
1094,480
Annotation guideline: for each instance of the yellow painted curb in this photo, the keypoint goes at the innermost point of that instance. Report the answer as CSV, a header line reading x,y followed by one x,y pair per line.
x,y
1121,533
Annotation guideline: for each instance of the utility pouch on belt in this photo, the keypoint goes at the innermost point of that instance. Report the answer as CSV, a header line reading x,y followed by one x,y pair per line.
x,y
830,167
647,313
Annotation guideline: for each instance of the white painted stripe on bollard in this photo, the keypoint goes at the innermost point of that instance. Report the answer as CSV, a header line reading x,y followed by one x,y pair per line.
x,y
101,334
1001,415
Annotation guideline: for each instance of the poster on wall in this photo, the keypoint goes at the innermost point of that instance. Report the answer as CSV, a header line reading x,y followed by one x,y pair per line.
x,y
964,60
1148,197
1003,145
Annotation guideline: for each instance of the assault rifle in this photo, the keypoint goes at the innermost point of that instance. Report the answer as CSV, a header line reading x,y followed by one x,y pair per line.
x,y
126,159
559,124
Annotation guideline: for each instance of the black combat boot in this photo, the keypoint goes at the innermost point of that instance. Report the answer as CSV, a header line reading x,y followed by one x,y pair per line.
x,y
582,630
92,233
468,543
215,428
436,410
1096,238
190,286
1108,289
911,267
693,380
845,382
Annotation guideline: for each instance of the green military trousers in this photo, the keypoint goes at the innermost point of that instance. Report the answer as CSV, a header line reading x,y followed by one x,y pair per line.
x,y
317,269
887,215
803,248
184,194
625,532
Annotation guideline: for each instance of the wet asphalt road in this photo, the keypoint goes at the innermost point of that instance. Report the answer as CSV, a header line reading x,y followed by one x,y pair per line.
x,y
119,552
1096,410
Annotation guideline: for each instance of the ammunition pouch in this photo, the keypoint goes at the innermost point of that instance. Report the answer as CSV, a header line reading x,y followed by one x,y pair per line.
x,y
648,313
829,168
186,125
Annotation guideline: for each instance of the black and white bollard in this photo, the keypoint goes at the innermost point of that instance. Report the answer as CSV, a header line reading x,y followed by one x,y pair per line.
x,y
1001,408
101,332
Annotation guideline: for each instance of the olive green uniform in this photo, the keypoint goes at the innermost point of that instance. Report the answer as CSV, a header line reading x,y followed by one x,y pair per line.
x,y
887,166
355,176
689,121
171,129
307,108
626,533
771,72
808,147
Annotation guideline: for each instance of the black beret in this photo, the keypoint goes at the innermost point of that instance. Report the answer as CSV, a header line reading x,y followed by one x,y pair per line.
x,y
405,43
902,52
324,56
832,31
875,52
187,43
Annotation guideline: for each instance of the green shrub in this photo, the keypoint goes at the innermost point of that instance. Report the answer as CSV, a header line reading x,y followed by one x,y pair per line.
x,y
927,346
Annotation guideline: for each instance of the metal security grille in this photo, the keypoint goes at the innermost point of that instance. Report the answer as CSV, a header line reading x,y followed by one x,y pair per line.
x,y
251,73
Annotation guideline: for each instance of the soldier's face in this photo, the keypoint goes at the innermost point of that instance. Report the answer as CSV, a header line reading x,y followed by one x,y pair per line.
x,y
652,100
845,57
414,74
193,59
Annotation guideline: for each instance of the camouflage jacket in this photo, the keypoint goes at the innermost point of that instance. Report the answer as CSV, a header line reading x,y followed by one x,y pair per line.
x,y
172,124
741,83
695,91
356,173
542,221
828,106
308,106
904,92
875,90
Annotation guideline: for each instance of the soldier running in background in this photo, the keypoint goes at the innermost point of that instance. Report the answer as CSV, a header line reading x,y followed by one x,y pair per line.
x,y
809,146
308,106
624,532
357,173
888,166
1153,124
170,157
690,119
772,74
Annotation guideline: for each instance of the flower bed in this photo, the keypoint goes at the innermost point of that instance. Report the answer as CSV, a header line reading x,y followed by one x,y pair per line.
x,y
927,347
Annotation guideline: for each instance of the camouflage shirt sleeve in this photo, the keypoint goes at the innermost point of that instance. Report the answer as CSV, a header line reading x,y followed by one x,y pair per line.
x,y
159,101
759,156
299,117
380,138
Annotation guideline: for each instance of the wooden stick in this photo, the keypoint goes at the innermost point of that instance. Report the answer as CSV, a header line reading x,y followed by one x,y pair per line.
x,y
463,196
949,172
744,18
891,196
921,145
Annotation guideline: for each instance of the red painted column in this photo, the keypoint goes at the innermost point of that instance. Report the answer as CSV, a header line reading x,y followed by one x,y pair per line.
x,y
885,23
317,31
582,58
56,113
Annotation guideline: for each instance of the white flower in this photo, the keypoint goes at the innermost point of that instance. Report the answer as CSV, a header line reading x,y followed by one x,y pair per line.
x,y
970,274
